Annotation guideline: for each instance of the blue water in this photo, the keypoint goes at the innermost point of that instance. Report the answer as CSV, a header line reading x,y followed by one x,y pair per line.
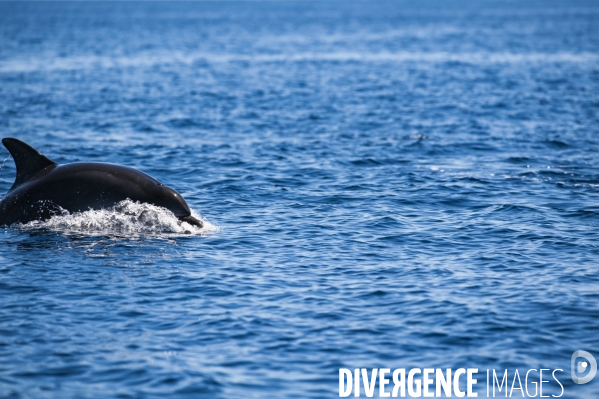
x,y
386,185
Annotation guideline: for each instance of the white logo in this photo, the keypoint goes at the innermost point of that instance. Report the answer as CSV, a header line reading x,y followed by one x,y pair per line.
x,y
581,366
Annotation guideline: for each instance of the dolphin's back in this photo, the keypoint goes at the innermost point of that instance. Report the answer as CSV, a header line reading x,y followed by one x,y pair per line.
x,y
42,188
74,187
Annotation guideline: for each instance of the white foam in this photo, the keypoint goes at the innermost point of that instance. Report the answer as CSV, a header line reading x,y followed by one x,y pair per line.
x,y
127,218
151,59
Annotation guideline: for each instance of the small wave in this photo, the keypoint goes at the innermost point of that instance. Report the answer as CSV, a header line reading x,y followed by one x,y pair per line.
x,y
90,62
127,218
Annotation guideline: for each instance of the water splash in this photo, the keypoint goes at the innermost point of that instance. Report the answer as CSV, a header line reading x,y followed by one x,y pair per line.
x,y
127,218
4,162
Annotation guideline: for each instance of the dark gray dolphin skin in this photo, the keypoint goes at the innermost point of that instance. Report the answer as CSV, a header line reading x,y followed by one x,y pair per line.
x,y
43,187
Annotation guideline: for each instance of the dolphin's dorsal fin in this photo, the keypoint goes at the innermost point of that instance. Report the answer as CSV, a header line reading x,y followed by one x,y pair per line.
x,y
28,160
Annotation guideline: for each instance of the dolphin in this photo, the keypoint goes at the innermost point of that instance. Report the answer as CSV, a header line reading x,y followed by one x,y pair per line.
x,y
43,188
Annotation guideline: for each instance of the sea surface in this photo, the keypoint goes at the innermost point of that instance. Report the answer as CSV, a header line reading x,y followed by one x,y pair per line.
x,y
384,184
